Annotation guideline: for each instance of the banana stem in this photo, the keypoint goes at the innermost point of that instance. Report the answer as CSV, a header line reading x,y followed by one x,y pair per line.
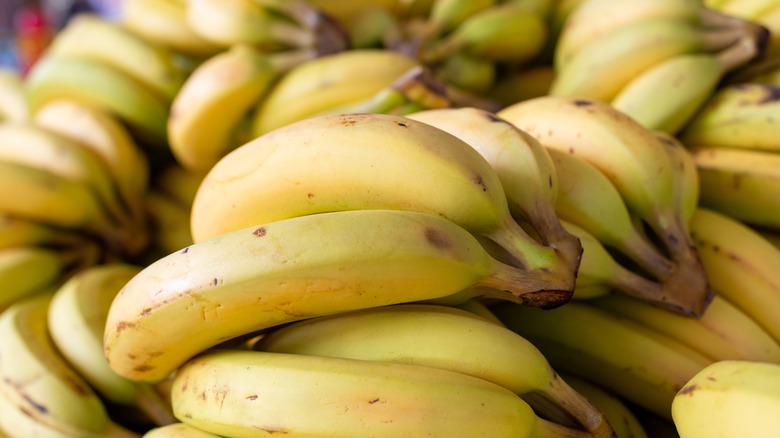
x,y
534,288
742,52
714,40
646,256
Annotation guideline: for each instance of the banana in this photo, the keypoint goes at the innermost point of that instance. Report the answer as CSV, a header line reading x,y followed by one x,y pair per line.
x,y
108,138
729,398
749,9
741,183
438,337
216,97
290,269
640,365
468,72
618,414
178,430
40,393
169,223
89,36
524,167
331,162
76,321
20,232
741,266
101,86
328,82
723,332
164,22
507,33
446,15
13,102
26,270
347,12
687,189
178,184
602,68
623,150
737,116
683,83
525,83
252,393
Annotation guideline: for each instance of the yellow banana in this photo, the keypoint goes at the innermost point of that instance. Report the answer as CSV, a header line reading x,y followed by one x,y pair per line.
x,y
100,86
216,97
636,161
27,270
439,337
178,430
602,68
328,82
13,102
347,11
372,26
329,163
741,266
749,9
686,190
640,365
298,268
20,232
76,320
741,183
40,393
525,83
93,37
730,398
446,15
253,393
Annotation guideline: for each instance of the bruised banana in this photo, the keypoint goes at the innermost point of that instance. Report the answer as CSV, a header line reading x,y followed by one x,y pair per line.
x,y
278,272
243,393
334,162
439,337
637,162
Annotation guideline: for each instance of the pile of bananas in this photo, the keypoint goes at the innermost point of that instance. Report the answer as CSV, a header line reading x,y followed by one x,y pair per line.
x,y
395,218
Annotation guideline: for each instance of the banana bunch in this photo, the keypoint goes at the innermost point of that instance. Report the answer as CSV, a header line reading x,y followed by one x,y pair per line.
x,y
670,51
628,193
763,12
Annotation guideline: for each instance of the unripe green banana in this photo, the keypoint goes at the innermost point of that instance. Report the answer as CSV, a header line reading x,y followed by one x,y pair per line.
x,y
296,268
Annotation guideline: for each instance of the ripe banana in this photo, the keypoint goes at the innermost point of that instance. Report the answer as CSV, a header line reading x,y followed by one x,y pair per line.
x,y
298,268
523,84
76,319
40,393
683,83
524,167
252,393
640,365
730,398
722,332
446,15
178,430
93,37
347,11
602,68
25,270
686,177
216,97
741,265
637,162
20,232
13,102
438,337
327,82
98,85
741,183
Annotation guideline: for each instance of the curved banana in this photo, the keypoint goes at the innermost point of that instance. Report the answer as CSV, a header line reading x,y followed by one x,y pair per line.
x,y
468,72
602,68
89,36
741,265
439,337
741,183
524,167
13,102
238,393
297,268
347,11
40,393
722,332
637,162
729,398
216,97
738,116
327,82
26,270
100,86
683,83
640,365
21,232
164,22
76,320
178,430
686,189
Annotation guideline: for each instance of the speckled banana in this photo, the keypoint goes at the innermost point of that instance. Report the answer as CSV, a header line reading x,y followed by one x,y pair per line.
x,y
76,320
13,102
640,365
741,265
217,97
297,268
41,395
253,393
439,337
622,149
730,398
